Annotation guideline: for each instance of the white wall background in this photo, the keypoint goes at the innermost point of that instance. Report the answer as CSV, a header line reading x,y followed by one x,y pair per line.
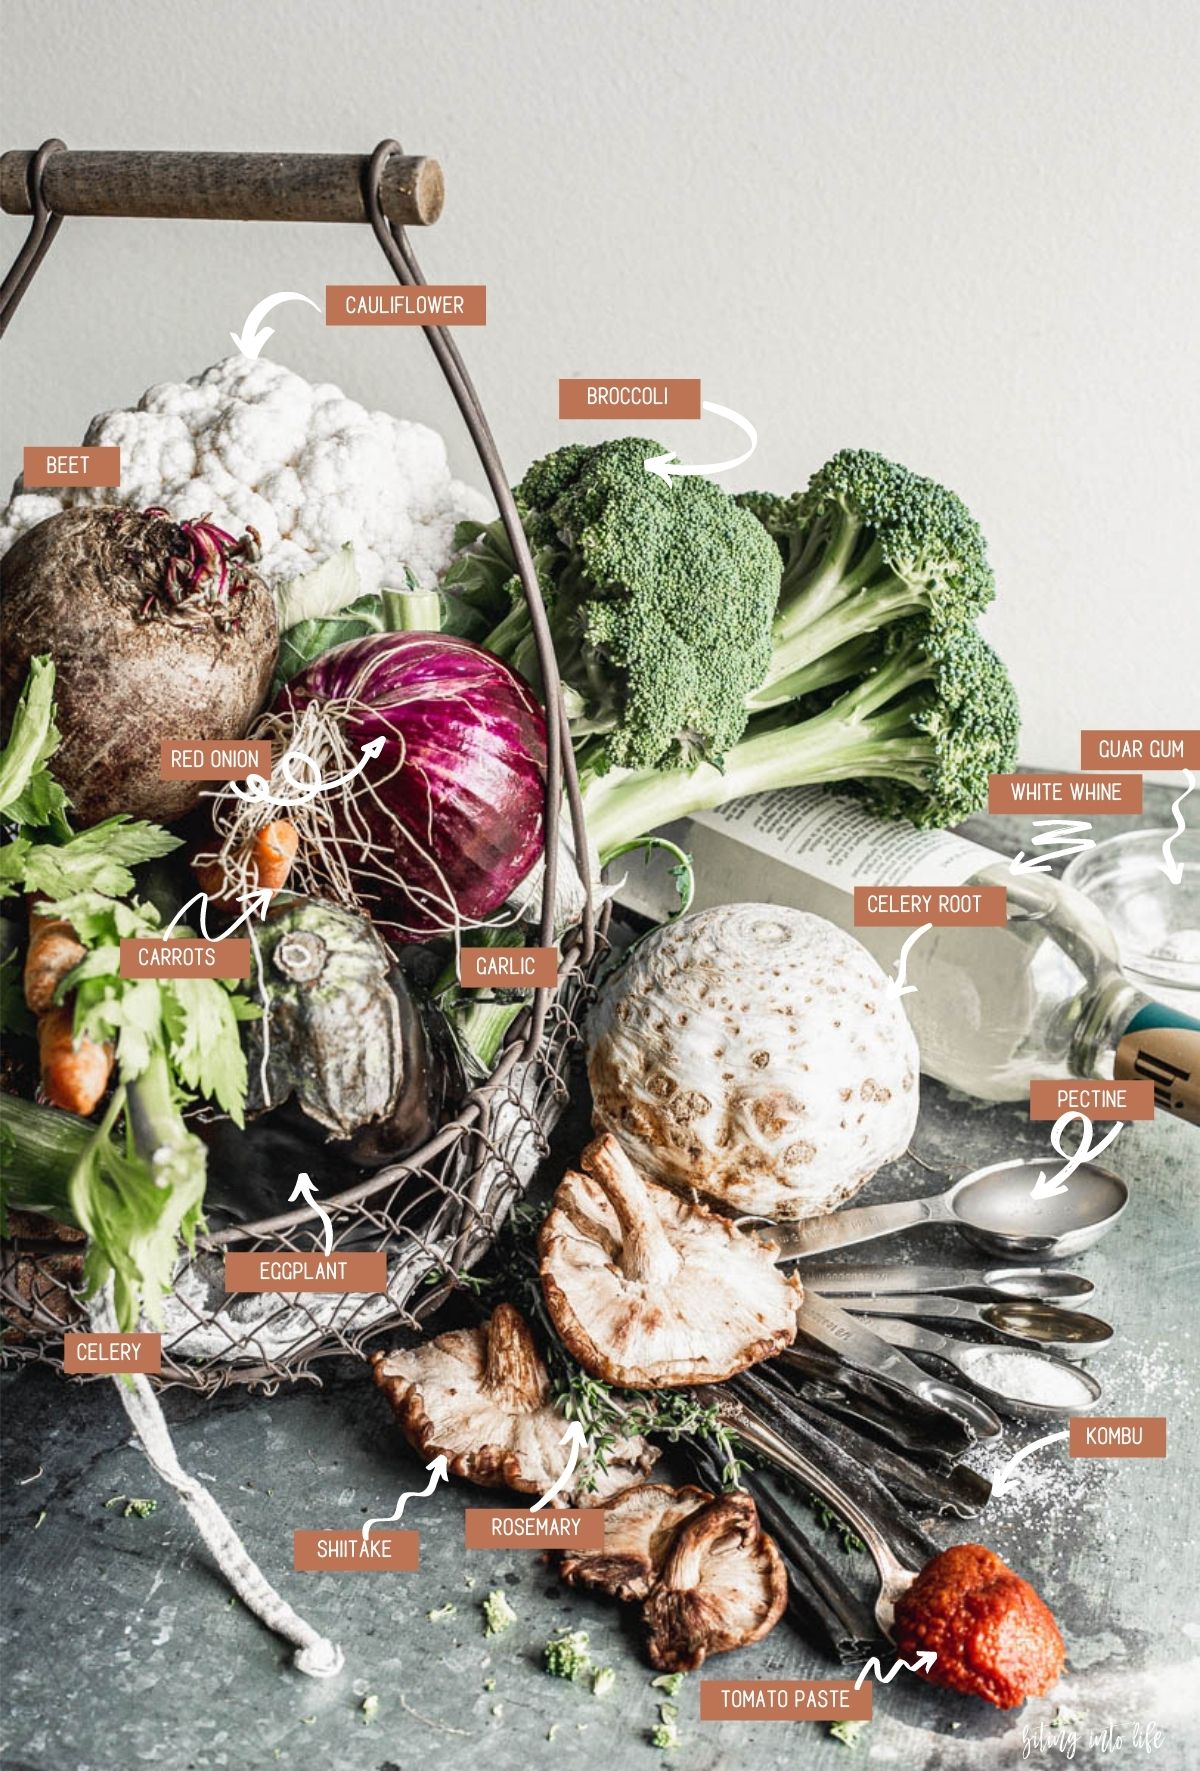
x,y
958,231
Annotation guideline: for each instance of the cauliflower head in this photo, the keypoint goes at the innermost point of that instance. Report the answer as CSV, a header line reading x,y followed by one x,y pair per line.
x,y
253,443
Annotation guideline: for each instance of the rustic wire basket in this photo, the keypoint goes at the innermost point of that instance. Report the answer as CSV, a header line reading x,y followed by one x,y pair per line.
x,y
438,1211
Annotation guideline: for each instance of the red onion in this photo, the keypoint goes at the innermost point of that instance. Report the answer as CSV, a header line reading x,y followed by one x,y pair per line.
x,y
438,830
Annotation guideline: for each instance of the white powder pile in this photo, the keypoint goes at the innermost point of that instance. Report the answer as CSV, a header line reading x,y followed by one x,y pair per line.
x,y
1030,1377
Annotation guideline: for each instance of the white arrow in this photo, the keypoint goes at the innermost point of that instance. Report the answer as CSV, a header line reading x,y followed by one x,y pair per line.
x,y
1001,1480
921,1664
440,1473
1067,831
250,339
669,467
1169,865
258,789
896,986
304,1190
258,903
578,1439
1046,1186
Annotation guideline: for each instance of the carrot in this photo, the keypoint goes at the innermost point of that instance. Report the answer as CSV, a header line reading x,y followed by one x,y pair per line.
x,y
266,860
54,950
74,1073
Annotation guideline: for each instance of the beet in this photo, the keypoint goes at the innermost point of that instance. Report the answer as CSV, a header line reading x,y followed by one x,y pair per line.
x,y
157,630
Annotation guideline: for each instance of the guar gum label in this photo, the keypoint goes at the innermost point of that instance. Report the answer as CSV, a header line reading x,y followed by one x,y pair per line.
x,y
906,906
784,1700
1168,1058
1123,748
1093,794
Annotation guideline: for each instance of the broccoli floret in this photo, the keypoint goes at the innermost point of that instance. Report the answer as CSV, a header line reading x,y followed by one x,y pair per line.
x,y
498,1614
916,736
868,544
660,598
566,1655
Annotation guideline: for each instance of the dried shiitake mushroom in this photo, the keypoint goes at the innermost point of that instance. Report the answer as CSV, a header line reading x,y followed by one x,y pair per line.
x,y
639,1526
649,1290
480,1397
722,1585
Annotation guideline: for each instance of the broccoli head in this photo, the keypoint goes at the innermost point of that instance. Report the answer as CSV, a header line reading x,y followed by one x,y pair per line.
x,y
660,597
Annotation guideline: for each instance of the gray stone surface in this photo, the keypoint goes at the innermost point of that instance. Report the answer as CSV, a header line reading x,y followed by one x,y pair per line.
x,y
122,1649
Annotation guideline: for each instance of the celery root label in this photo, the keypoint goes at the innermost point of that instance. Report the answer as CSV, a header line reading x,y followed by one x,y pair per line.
x,y
386,304
942,906
662,397
72,466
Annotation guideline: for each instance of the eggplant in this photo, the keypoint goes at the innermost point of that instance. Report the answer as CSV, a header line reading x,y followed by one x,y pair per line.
x,y
346,1035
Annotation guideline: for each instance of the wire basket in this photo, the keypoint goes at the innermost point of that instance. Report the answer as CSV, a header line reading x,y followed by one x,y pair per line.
x,y
438,1211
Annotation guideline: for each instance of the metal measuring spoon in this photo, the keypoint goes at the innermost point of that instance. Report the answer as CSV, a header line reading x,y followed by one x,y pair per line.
x,y
1018,1380
993,1206
894,1578
1043,1283
1064,1331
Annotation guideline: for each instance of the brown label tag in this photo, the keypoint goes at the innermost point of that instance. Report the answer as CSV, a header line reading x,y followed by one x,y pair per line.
x,y
508,968
112,1352
143,957
349,1552
1116,749
284,1270
516,1528
1133,1435
784,1700
203,759
1095,794
1049,1099
610,399
76,466
390,304
1169,1058
945,907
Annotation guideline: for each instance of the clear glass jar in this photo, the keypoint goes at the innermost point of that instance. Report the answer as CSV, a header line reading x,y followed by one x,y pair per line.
x,y
1156,921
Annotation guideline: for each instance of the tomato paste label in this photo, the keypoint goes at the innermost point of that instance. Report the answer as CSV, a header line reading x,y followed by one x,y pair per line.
x,y
72,466
784,1700
387,304
349,1552
1177,749
662,398
1098,794
142,956
518,1528
1050,1098
943,906
285,1269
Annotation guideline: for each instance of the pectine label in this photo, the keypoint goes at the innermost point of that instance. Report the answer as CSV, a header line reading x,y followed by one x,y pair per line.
x,y
1050,1099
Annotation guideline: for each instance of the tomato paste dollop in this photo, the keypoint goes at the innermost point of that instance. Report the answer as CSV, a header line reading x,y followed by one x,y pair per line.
x,y
993,1636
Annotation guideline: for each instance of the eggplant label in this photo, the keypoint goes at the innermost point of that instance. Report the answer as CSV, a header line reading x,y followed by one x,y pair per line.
x,y
383,304
1098,794
348,1552
1134,1435
72,466
144,957
665,398
107,1353
1050,1098
1179,749
783,1700
508,968
286,1269
943,906
213,759
518,1528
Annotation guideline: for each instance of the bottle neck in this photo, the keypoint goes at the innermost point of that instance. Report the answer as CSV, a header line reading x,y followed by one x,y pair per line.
x,y
1161,1045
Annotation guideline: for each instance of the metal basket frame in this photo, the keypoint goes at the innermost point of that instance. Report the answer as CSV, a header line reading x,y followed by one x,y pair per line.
x,y
439,1209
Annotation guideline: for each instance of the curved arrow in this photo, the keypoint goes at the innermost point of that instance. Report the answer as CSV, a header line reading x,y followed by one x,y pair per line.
x,y
251,339
896,986
578,1439
1067,831
1169,865
669,467
441,1473
1046,1186
924,1660
258,903
304,1190
1001,1479
258,789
